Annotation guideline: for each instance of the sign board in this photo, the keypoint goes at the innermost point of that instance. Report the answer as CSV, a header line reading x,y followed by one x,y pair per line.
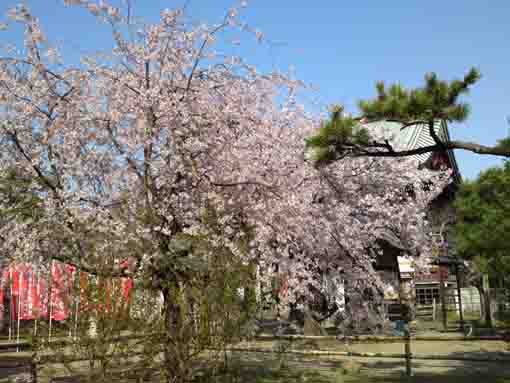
x,y
405,267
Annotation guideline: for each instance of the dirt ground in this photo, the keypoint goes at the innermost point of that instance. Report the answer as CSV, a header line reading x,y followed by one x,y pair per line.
x,y
377,369
450,348
393,370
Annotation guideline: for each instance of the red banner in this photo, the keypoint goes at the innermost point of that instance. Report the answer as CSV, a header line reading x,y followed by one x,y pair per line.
x,y
36,294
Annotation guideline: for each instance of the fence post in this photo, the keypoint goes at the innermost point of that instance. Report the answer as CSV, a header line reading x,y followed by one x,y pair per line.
x,y
408,353
34,361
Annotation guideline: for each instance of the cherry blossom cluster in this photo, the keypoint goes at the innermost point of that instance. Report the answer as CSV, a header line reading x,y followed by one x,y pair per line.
x,y
165,142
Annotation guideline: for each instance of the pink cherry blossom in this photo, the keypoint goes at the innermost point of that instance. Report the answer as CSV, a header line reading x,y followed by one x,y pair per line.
x,y
167,130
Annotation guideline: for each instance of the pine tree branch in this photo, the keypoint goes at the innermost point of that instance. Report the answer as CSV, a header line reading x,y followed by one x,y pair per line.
x,y
374,150
479,149
433,134
411,123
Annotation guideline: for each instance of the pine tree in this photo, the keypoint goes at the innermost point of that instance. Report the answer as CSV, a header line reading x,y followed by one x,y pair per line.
x,y
436,100
482,229
483,221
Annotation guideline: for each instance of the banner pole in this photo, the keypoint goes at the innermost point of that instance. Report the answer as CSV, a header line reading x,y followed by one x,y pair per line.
x,y
78,299
50,303
37,298
20,285
11,309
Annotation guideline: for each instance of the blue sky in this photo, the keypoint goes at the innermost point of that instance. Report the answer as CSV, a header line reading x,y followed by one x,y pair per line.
x,y
344,47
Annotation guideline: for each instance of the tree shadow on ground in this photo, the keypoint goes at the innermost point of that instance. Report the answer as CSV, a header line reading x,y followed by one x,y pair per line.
x,y
286,368
264,374
434,371
264,368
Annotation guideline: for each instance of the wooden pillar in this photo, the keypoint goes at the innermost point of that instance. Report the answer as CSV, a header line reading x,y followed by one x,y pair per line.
x,y
406,313
459,294
442,292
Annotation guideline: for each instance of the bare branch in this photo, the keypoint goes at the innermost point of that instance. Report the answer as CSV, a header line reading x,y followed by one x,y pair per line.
x,y
36,168
199,54
271,188
129,160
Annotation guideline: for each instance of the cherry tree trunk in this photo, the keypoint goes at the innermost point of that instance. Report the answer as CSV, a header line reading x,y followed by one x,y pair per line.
x,y
175,366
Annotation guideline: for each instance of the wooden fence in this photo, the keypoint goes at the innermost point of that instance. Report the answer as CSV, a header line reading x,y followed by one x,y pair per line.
x,y
41,364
